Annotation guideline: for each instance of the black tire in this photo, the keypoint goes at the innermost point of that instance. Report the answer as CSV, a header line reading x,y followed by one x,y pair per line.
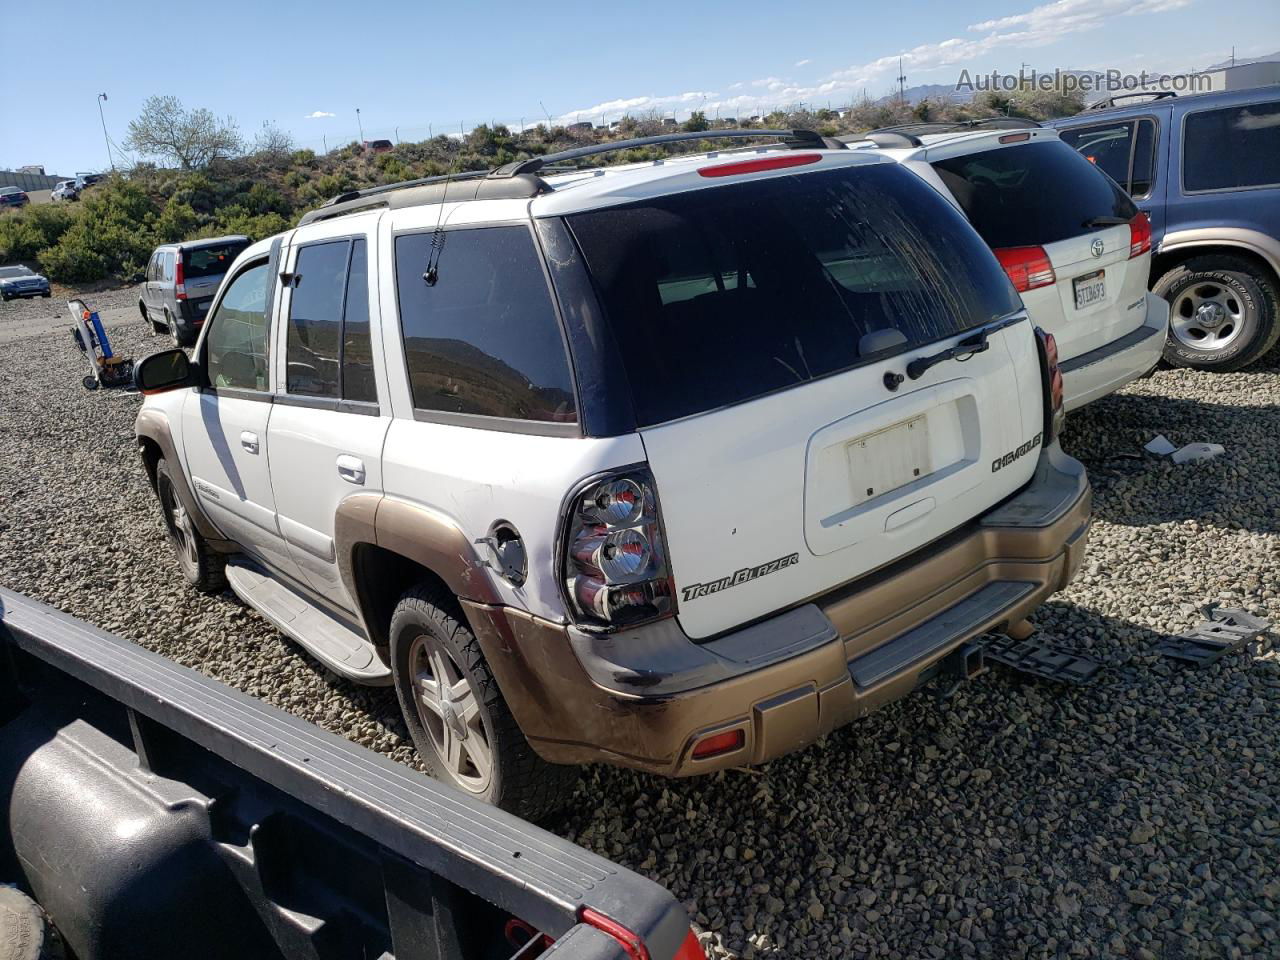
x,y
1246,326
518,779
154,328
47,294
24,934
202,566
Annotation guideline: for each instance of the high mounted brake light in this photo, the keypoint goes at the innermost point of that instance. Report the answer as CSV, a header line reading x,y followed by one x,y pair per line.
x,y
614,565
756,166
1015,137
1139,235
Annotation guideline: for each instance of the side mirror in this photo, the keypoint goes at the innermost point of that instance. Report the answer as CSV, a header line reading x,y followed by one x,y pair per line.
x,y
159,372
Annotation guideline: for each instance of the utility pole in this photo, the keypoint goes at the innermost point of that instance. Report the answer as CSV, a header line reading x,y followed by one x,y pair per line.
x,y
107,140
360,125
397,134
902,83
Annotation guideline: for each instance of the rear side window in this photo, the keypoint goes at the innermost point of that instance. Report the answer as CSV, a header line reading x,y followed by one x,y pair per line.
x,y
1235,147
720,295
1032,194
1124,149
485,338
328,349
209,261
166,264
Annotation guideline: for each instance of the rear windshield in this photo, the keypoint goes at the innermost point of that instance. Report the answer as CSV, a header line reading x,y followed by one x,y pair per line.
x,y
1038,193
721,295
209,261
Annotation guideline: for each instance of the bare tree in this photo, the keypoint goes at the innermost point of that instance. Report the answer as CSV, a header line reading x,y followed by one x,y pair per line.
x,y
189,138
272,145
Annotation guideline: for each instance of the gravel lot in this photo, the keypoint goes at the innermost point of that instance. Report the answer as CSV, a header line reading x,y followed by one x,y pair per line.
x,y
1137,817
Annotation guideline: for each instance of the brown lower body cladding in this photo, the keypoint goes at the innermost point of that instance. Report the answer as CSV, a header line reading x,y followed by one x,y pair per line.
x,y
890,629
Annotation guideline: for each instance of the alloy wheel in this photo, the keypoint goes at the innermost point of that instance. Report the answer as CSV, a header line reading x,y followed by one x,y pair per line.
x,y
449,710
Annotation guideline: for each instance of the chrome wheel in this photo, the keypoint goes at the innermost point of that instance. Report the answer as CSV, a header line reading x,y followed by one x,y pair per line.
x,y
1207,316
449,710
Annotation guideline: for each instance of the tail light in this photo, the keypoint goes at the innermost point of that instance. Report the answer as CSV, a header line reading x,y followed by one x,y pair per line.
x,y
1139,235
179,281
632,944
1027,267
1055,411
615,560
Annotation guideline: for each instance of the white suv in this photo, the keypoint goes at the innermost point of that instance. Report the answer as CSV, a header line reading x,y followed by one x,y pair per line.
x,y
675,465
1075,246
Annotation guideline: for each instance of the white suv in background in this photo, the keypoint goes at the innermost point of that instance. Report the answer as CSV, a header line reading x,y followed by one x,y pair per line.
x,y
673,465
1075,246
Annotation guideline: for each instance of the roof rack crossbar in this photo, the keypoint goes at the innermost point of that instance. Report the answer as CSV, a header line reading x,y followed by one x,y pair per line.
x,y
1107,102
796,139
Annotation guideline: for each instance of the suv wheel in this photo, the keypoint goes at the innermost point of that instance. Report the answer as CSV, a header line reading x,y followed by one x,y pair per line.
x,y
180,337
459,722
1224,313
155,328
204,569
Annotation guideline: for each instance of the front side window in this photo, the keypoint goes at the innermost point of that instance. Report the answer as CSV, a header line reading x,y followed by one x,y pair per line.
x,y
484,338
1033,194
1232,148
237,343
720,295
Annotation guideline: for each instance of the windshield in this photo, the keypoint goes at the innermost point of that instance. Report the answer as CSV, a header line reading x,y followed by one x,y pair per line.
x,y
720,295
1033,194
9,273
210,261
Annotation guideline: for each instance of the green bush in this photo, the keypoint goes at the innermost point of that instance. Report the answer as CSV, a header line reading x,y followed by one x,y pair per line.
x,y
24,233
113,233
237,219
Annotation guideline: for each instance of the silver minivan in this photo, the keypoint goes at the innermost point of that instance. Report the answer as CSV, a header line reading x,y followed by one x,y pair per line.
x,y
181,281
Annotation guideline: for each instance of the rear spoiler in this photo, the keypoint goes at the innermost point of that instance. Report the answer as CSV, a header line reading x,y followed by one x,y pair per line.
x,y
440,863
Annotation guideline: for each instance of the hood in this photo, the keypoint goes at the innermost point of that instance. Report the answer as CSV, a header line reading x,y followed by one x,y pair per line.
x,y
31,279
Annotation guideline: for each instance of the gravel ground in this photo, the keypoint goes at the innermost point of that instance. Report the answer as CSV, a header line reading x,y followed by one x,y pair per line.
x,y
24,318
1136,817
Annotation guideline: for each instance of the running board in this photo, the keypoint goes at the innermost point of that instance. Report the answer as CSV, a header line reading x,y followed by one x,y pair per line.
x,y
331,642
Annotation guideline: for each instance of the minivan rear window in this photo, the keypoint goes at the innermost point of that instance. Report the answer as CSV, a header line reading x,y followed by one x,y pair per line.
x,y
1032,194
724,294
209,261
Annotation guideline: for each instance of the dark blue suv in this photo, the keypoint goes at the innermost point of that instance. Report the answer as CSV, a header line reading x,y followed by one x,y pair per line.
x,y
1206,168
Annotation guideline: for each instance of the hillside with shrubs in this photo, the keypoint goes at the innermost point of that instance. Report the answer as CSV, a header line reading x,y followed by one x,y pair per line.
x,y
209,183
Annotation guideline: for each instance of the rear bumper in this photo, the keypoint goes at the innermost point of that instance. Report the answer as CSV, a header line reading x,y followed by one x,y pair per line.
x,y
192,312
642,698
1105,370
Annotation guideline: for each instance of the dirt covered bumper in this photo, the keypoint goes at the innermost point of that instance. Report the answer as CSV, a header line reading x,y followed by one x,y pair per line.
x,y
644,698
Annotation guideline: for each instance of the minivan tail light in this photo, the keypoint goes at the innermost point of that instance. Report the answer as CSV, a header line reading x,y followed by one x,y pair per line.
x,y
1055,414
756,166
179,284
614,561
1139,235
1027,267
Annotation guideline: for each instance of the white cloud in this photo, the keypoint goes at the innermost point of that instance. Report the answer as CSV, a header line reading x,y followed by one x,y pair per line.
x,y
804,62
318,114
1038,26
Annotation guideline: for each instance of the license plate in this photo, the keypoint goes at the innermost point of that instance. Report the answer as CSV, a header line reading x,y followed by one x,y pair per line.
x,y
883,461
1090,289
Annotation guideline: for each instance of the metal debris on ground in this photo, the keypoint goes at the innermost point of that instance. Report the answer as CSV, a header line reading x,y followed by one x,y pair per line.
x,y
1039,659
1227,630
1161,446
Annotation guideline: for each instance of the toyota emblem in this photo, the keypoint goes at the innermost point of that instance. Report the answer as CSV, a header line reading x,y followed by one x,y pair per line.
x,y
1097,247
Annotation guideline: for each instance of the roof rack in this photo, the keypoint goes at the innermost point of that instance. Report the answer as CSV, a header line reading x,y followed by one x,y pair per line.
x,y
1107,103
794,139
519,180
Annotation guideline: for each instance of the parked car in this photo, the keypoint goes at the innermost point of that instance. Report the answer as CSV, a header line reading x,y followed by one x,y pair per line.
x,y
22,282
676,467
1076,248
66,190
1206,169
181,280
13,197
378,146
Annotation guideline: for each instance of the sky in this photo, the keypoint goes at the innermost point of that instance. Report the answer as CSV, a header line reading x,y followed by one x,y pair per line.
x,y
416,69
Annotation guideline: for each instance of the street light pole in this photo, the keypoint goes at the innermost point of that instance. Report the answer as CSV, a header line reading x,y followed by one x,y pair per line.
x,y
105,138
360,125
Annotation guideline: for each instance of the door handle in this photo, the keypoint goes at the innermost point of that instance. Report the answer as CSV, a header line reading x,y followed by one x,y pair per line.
x,y
350,469
249,441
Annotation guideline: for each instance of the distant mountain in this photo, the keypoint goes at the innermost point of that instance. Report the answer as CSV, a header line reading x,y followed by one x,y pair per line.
x,y
1269,58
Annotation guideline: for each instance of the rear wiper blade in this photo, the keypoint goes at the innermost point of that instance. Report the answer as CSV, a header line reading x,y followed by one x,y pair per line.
x,y
1105,222
976,342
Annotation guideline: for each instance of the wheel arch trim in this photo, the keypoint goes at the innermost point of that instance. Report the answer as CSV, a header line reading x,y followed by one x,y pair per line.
x,y
153,427
1253,241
